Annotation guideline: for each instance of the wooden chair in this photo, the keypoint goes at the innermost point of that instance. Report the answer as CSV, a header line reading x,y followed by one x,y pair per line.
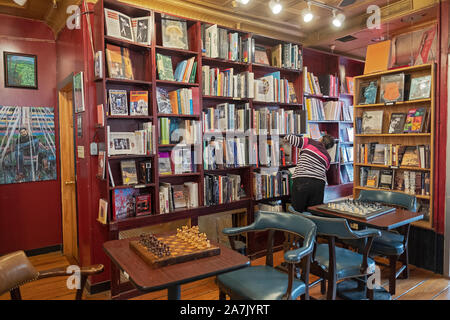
x,y
392,244
333,263
267,282
16,270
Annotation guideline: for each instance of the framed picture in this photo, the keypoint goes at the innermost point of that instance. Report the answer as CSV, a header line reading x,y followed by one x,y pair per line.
x,y
122,143
78,92
20,70
174,32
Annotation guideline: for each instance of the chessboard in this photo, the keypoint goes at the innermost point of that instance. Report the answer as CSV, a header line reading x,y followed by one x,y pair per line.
x,y
355,208
186,245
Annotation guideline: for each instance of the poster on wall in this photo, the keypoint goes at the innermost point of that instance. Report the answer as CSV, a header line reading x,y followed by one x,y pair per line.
x,y
78,92
27,144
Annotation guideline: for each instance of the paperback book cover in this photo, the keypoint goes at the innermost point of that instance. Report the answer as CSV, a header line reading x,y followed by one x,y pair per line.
x,y
392,88
420,88
415,120
372,122
163,100
174,32
124,203
118,102
397,123
139,103
119,62
165,68
129,174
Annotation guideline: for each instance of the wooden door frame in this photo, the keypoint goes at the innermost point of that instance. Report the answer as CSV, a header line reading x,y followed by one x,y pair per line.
x,y
65,86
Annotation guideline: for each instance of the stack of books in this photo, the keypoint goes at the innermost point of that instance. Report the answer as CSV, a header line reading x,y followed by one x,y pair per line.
x,y
225,83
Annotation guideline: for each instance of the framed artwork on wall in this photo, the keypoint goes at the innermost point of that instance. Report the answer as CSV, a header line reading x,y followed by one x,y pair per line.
x,y
78,92
20,70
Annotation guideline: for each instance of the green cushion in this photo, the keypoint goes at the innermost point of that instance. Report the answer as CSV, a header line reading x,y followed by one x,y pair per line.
x,y
389,243
348,263
258,283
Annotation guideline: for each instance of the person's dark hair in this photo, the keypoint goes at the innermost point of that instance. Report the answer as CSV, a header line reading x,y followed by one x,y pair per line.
x,y
328,141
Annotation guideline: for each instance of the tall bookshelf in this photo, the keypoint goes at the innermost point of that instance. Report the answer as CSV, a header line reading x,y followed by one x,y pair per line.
x,y
406,139
322,63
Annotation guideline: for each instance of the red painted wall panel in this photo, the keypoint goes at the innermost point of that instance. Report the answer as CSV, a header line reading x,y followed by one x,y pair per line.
x,y
30,213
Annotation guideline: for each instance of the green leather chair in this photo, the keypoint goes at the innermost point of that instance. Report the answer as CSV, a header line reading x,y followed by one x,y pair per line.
x,y
333,263
266,282
392,244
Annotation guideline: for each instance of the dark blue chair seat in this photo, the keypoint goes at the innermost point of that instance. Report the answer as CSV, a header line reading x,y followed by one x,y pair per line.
x,y
389,243
262,283
348,263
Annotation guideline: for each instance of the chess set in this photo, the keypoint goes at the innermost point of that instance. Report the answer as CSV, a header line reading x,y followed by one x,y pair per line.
x,y
187,244
360,209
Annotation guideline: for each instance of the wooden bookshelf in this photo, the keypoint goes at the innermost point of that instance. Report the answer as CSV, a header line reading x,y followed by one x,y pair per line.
x,y
407,139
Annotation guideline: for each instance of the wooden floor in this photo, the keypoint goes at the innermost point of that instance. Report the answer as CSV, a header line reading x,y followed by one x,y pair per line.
x,y
421,285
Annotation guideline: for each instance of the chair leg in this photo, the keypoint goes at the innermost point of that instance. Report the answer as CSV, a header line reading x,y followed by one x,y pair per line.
x,y
15,294
392,272
222,295
323,286
404,259
331,292
370,294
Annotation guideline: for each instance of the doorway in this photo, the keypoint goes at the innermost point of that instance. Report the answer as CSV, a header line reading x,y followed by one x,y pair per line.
x,y
68,170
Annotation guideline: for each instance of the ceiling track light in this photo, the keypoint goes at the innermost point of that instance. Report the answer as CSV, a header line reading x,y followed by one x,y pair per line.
x,y
338,19
307,14
20,2
243,1
275,6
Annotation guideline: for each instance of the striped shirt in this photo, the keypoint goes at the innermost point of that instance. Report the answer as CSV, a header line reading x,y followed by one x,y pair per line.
x,y
313,160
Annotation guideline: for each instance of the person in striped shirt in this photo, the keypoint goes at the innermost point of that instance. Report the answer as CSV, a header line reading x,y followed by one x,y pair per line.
x,y
310,176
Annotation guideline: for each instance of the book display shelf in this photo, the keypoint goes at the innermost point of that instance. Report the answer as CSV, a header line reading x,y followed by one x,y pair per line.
x,y
332,92
221,93
394,140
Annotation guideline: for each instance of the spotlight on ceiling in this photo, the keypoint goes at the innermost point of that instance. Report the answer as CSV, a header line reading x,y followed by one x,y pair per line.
x,y
20,2
275,6
243,1
307,14
338,19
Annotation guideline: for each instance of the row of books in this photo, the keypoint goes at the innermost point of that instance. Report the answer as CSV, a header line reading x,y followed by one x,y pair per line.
x,y
227,117
411,182
394,155
130,202
178,196
179,131
118,103
219,189
346,134
274,120
222,153
395,88
269,183
220,43
177,161
282,55
346,152
225,83
178,101
325,84
185,70
328,110
346,173
272,88
139,142
416,120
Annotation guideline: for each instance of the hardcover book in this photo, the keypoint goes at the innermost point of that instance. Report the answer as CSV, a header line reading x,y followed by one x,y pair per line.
x,y
139,103
119,62
124,203
98,65
410,157
368,92
261,55
163,100
142,30
101,165
378,57
397,123
164,163
118,104
415,120
386,179
420,88
373,178
165,69
129,174
179,196
145,172
118,25
378,156
143,204
392,88
174,32
372,122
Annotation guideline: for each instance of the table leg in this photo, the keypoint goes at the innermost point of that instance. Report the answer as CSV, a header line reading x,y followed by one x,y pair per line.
x,y
174,292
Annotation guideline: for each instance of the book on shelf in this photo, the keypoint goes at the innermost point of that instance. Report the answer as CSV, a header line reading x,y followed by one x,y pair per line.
x,y
129,172
225,83
349,169
411,182
111,178
272,88
368,92
392,88
102,211
139,103
386,179
420,88
346,112
118,103
394,155
276,55
271,183
101,170
143,205
333,153
227,117
425,48
314,131
222,44
181,101
282,55
119,62
325,84
220,152
165,68
372,122
373,178
174,32
191,190
124,201
145,172
139,142
350,85
275,120
261,56
219,189
98,65
100,115
183,160
319,110
212,41
185,71
178,196
378,57
179,131
163,100
121,26
164,163
397,123
415,120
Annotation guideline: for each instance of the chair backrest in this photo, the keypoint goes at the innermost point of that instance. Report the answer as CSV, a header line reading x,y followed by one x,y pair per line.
x,y
337,227
282,221
15,270
407,201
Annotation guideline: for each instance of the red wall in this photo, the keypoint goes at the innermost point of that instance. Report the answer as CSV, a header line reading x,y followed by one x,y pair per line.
x,y
30,213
